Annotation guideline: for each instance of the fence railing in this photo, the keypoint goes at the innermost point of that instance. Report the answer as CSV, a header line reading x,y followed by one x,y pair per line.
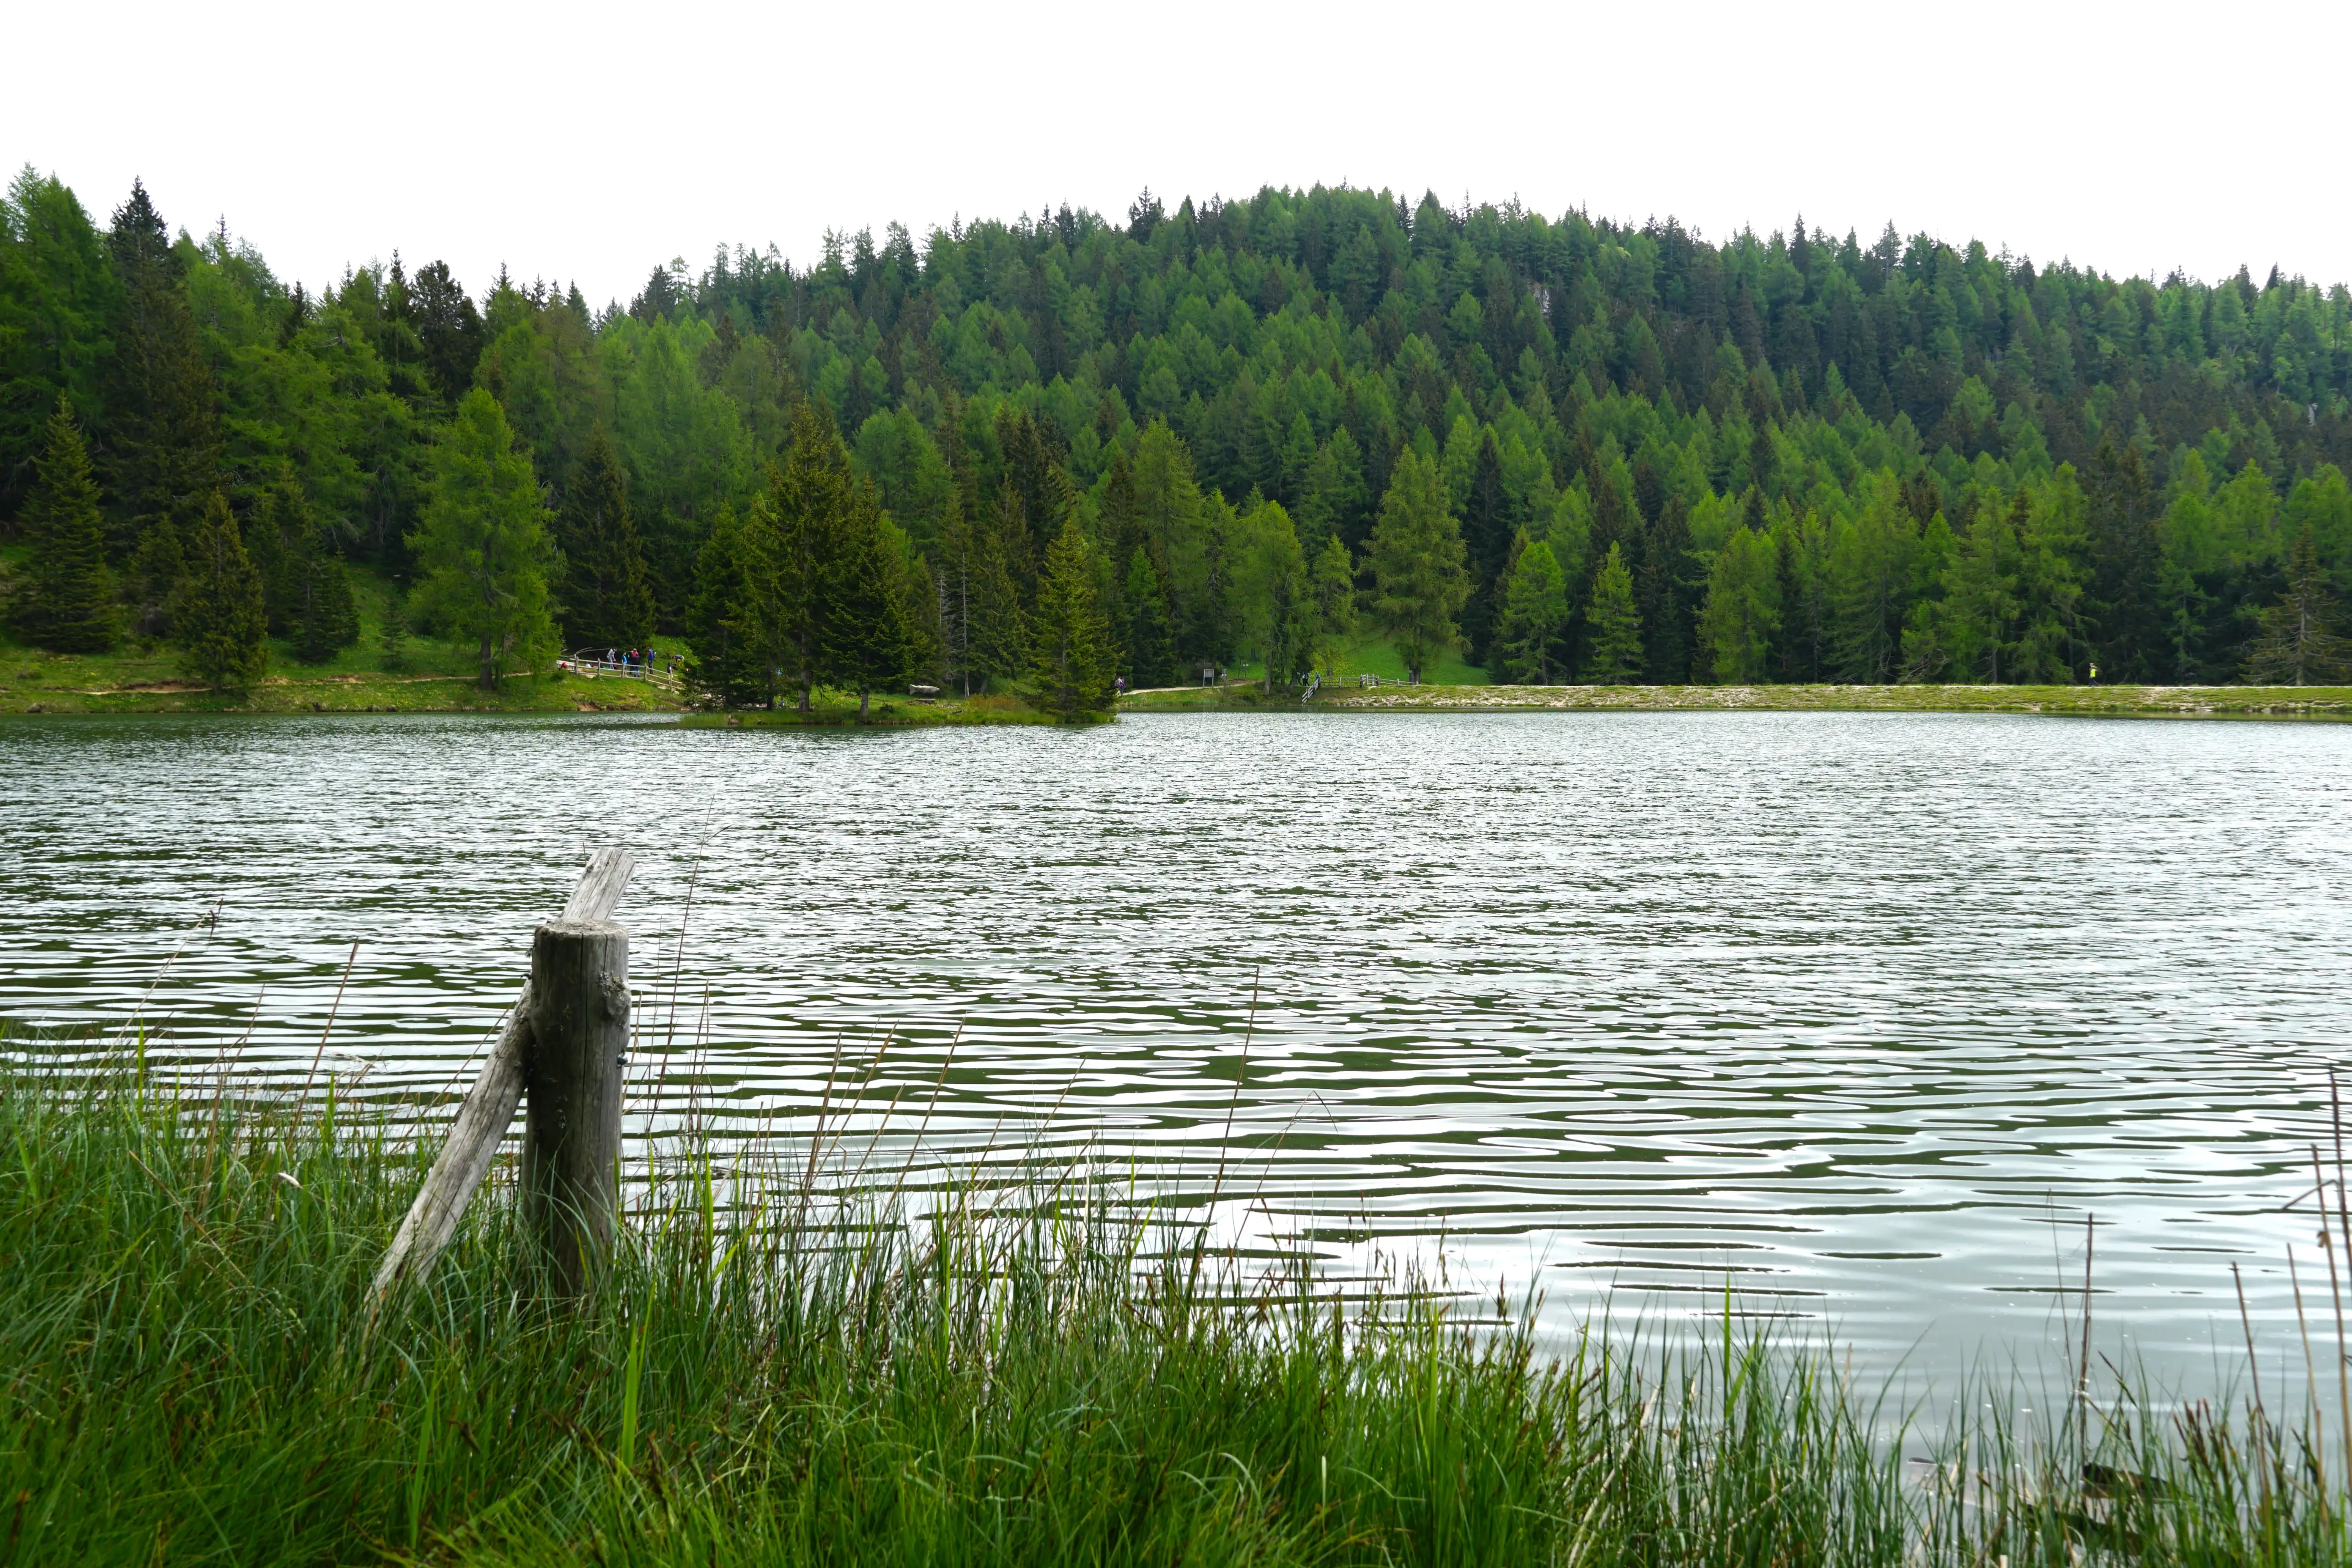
x,y
658,671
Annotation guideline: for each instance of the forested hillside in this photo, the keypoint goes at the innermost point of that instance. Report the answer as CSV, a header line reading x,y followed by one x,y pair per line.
x,y
1051,450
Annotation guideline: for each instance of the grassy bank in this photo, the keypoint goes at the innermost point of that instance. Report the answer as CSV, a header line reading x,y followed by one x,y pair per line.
x,y
1030,1375
2118,701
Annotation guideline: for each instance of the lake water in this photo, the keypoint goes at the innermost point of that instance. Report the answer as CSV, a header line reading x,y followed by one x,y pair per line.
x,y
1859,1013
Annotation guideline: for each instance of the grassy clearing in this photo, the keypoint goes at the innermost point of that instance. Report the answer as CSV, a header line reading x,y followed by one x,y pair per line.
x,y
2176,702
416,675
1038,1374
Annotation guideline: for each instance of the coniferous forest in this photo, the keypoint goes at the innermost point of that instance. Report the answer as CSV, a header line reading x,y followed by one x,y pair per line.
x,y
1045,455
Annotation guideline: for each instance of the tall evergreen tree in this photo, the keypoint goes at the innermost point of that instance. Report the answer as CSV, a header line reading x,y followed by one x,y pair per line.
x,y
483,548
1488,530
218,617
1666,591
1743,608
1070,672
1536,611
67,602
2126,576
866,640
1150,645
1612,655
163,435
326,612
722,624
1333,585
2301,642
999,626
606,600
808,499
1419,580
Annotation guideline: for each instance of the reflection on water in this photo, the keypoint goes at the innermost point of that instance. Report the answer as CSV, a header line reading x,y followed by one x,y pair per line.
x,y
1860,1012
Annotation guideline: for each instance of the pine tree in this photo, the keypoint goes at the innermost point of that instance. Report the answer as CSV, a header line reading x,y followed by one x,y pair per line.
x,y
163,434
326,618
217,614
1070,674
1535,613
999,646
2299,643
807,503
722,621
1614,625
483,547
605,599
67,602
866,636
1150,645
1488,531
1419,584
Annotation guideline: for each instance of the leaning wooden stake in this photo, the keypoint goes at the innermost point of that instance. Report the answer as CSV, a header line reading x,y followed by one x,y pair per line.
x,y
489,1106
571,1141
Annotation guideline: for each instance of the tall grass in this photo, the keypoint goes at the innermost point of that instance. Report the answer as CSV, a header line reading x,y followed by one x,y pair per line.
x,y
1041,1375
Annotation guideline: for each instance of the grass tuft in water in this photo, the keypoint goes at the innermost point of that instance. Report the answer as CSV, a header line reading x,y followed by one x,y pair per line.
x,y
1038,1374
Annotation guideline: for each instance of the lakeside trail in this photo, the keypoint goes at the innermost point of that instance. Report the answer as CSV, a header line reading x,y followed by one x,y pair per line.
x,y
2114,700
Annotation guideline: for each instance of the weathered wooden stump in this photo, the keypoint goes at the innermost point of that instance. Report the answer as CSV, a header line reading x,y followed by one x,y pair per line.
x,y
572,1095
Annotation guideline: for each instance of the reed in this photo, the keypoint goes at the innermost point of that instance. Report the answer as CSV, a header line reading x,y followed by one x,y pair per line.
x,y
779,1370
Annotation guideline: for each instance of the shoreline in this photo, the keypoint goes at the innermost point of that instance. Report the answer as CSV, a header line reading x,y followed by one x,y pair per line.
x,y
2330,703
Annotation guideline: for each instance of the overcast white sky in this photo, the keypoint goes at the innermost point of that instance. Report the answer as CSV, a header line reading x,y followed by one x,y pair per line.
x,y
592,141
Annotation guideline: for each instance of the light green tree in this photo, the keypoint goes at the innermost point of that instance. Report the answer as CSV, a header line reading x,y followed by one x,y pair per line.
x,y
1419,580
1743,607
1536,611
483,553
1612,652
1333,585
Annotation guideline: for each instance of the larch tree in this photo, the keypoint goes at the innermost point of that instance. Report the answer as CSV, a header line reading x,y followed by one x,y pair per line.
x,y
1535,612
1419,580
67,602
1612,652
483,553
1743,608
1332,581
218,615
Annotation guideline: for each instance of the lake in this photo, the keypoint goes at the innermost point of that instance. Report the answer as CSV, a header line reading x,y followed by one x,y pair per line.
x,y
1855,1016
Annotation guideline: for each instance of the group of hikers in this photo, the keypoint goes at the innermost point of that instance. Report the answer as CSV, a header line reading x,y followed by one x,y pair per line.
x,y
637,661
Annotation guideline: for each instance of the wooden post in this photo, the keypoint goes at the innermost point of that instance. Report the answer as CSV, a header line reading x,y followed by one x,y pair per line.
x,y
572,1087
489,1104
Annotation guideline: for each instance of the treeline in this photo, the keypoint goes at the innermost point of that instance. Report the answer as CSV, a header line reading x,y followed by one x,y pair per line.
x,y
1243,432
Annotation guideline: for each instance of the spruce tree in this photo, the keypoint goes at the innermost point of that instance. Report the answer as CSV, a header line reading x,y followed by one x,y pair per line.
x,y
326,617
1070,672
866,642
163,434
2299,643
218,618
722,620
1419,582
1150,644
606,600
800,528
998,629
1612,655
67,601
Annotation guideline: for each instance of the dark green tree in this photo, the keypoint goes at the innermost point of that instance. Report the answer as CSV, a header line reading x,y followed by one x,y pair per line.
x,y
2301,643
1150,644
325,614
218,617
722,624
1612,652
1070,672
867,641
162,433
807,505
66,600
604,597
57,295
